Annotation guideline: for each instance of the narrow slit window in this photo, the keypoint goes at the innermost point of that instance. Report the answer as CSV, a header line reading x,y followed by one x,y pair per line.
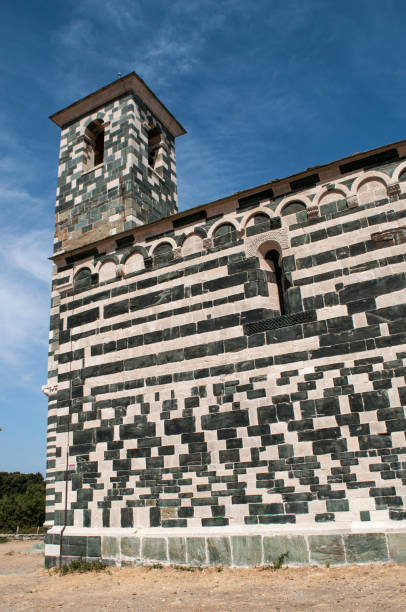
x,y
277,281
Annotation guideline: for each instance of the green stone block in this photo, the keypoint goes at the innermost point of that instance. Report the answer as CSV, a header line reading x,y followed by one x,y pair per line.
x,y
154,549
196,551
285,451
295,546
326,549
247,550
50,562
366,547
219,551
177,550
397,547
365,515
109,547
337,505
130,547
74,546
94,546
329,208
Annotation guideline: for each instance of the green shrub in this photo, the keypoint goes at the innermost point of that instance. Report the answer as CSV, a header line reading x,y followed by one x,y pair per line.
x,y
80,566
277,564
155,566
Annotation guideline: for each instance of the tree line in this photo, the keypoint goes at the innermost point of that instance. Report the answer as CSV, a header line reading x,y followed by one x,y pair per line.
x,y
22,501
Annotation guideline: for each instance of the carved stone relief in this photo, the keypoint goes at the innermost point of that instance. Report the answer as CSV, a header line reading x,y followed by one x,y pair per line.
x,y
278,235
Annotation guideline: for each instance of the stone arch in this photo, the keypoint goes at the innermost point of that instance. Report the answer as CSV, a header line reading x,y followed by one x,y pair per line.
x,y
193,243
371,188
220,222
292,208
163,251
272,244
269,253
107,270
200,231
371,174
278,238
399,175
224,234
100,116
252,215
165,240
134,262
304,200
83,278
137,249
326,196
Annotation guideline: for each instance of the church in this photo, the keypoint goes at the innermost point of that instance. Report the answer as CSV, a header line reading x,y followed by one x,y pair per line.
x,y
226,384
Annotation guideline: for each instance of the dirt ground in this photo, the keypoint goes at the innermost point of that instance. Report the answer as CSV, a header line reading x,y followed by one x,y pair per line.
x,y
25,585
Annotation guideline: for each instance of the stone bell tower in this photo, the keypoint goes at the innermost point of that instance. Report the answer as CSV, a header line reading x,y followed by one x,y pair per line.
x,y
117,166
117,171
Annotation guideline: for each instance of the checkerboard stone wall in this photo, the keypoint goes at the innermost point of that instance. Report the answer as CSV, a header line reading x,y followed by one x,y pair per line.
x,y
122,192
184,403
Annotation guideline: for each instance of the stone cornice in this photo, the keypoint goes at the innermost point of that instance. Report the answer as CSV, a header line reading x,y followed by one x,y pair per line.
x,y
130,82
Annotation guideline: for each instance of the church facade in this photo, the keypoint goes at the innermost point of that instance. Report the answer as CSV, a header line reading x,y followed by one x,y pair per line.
x,y
226,384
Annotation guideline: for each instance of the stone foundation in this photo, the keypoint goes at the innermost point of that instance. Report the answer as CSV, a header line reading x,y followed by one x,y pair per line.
x,y
244,548
22,536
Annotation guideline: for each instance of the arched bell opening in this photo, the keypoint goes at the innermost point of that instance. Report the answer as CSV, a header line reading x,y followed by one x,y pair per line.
x,y
94,145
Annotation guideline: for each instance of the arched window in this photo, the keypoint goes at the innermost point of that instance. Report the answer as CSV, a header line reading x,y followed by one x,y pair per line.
x,y
224,234
276,280
163,253
83,279
154,141
292,208
94,144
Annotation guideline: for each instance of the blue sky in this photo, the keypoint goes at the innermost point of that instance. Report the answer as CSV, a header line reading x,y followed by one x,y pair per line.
x,y
265,89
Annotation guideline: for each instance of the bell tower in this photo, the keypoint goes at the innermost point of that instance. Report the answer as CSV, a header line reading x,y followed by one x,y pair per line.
x,y
117,165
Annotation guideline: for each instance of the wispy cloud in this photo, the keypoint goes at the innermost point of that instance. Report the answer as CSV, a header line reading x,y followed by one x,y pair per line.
x,y
27,254
24,267
24,301
162,42
76,35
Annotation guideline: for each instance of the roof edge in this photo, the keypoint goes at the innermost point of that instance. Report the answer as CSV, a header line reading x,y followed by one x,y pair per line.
x,y
129,82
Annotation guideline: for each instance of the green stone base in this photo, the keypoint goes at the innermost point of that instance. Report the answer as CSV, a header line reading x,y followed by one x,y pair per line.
x,y
324,549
